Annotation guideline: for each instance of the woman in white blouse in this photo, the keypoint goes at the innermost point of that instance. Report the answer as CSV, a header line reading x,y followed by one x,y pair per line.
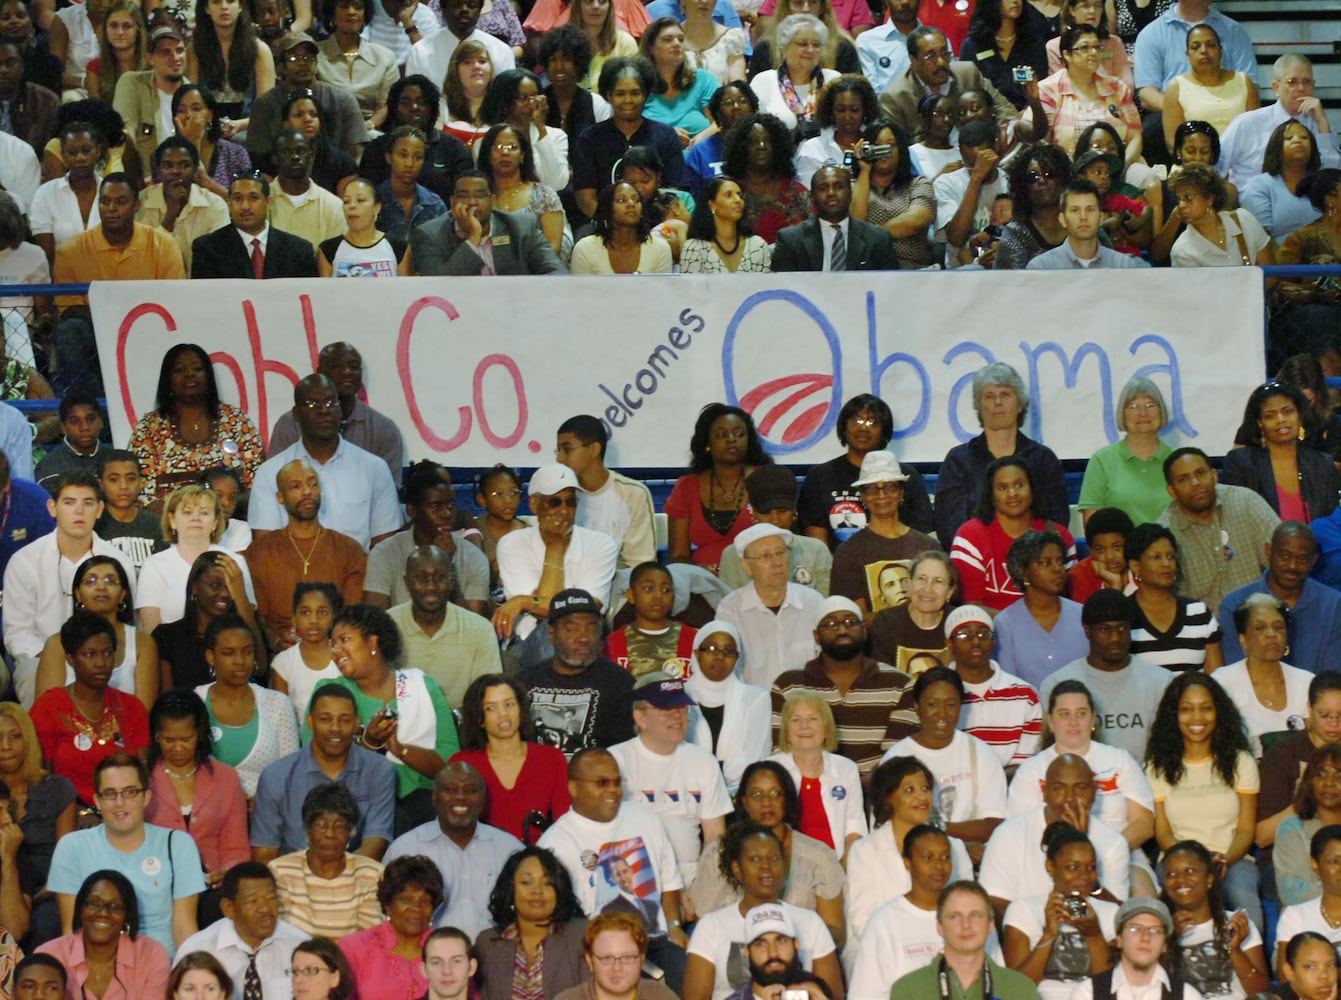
x,y
829,785
1271,695
792,90
68,205
1214,237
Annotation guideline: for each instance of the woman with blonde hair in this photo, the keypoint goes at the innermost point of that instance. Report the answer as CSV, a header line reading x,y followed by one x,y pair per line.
x,y
120,48
829,786
598,20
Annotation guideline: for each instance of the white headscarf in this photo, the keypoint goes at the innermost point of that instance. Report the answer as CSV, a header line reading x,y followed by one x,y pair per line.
x,y
709,693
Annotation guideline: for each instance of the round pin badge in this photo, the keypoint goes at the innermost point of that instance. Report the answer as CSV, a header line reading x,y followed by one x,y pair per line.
x,y
83,742
229,447
803,576
885,62
961,5
838,792
151,866
216,733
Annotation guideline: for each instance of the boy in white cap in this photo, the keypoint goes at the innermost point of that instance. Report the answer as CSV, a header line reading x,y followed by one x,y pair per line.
x,y
999,708
536,563
1144,928
869,700
860,563
775,617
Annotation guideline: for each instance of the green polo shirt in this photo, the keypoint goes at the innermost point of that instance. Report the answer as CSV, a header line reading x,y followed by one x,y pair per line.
x,y
1006,985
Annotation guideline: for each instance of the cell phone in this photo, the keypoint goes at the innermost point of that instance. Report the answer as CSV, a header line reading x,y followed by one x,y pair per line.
x,y
1076,906
1022,74
795,995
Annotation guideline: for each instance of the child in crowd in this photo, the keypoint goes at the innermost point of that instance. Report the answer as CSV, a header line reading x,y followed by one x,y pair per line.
x,y
1129,220
228,488
499,492
1106,565
653,641
124,522
299,669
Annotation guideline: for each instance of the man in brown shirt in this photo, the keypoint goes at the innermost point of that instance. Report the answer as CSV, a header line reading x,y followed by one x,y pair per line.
x,y
303,551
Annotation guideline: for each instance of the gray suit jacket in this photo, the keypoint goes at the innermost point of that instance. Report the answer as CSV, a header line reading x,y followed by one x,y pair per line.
x,y
518,244
901,97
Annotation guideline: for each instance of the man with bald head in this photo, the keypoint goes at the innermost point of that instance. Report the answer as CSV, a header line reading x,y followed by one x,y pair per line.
x,y
1014,866
360,424
303,551
445,641
357,494
1245,140
470,854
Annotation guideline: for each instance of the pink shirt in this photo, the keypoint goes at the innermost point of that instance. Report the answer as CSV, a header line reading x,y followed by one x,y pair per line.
x,y
370,958
218,818
141,967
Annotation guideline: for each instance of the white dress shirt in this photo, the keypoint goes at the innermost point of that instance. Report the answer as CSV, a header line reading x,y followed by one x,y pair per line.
x,y
221,940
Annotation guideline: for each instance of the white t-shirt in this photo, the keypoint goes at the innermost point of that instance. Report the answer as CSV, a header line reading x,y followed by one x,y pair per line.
x,y
1117,780
1302,917
884,877
950,190
55,210
682,788
1014,865
162,582
899,938
1257,718
300,679
719,938
595,855
970,781
1069,962
1214,976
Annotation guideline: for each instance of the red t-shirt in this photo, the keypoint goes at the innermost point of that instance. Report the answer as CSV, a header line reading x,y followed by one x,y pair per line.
x,y
74,751
814,820
951,17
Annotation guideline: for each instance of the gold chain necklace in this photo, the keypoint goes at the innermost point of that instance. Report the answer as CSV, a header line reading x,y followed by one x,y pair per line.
x,y
311,553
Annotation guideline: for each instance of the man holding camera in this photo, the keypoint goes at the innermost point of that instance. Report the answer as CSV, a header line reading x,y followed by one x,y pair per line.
x,y
830,240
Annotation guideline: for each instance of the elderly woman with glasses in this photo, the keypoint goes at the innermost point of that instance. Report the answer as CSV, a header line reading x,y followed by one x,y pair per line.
x,y
1078,95
1129,474
791,91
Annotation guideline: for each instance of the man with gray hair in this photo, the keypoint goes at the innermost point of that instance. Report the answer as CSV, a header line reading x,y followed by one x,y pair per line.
x,y
1001,402
367,509
1245,141
445,641
303,551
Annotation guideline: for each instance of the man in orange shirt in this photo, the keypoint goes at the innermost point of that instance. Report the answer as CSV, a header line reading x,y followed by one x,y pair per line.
x,y
118,249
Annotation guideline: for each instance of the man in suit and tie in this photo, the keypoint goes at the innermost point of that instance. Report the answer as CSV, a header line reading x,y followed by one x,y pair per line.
x,y
830,241
473,238
250,247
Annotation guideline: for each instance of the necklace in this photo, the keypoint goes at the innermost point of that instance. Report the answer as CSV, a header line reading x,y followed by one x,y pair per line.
x,y
724,250
181,777
732,494
311,552
1331,921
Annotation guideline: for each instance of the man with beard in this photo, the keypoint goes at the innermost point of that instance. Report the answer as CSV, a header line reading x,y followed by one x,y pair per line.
x,y
250,941
177,204
1144,928
470,854
367,510
144,97
871,702
999,708
1222,531
299,205
303,551
681,782
964,918
579,699
772,956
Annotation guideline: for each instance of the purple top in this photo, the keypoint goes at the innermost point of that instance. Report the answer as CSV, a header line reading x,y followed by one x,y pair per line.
x,y
229,159
501,21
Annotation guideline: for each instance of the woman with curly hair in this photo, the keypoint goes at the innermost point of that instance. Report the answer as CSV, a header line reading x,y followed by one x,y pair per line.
x,y
226,56
387,960
1218,952
536,913
760,154
526,781
706,509
1205,781
514,99
1215,236
1036,185
751,859
846,106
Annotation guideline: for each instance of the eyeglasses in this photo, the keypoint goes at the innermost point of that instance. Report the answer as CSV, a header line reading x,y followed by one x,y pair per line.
x,y
312,405
112,909
504,494
554,503
964,635
306,972
759,795
330,826
868,422
506,147
1298,81
1141,930
1034,176
843,624
92,580
938,54
302,57
778,556
1088,49
730,652
610,961
878,489
603,782
124,794
1142,406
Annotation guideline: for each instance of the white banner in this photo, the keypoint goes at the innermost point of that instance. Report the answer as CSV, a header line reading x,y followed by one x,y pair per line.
x,y
480,370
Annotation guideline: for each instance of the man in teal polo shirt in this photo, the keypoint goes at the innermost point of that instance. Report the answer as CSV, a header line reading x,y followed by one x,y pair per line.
x,y
964,972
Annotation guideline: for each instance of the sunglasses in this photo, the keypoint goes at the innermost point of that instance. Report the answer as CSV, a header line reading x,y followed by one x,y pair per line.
x,y
554,503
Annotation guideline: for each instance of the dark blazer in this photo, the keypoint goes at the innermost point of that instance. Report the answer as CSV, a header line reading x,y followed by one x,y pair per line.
x,y
801,248
519,247
900,99
1318,479
564,967
222,254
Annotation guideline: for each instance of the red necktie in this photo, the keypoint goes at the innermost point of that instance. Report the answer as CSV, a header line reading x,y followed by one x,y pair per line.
x,y
257,260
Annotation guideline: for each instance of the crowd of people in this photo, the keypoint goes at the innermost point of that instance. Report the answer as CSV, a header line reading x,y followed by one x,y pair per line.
x,y
462,137
290,720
